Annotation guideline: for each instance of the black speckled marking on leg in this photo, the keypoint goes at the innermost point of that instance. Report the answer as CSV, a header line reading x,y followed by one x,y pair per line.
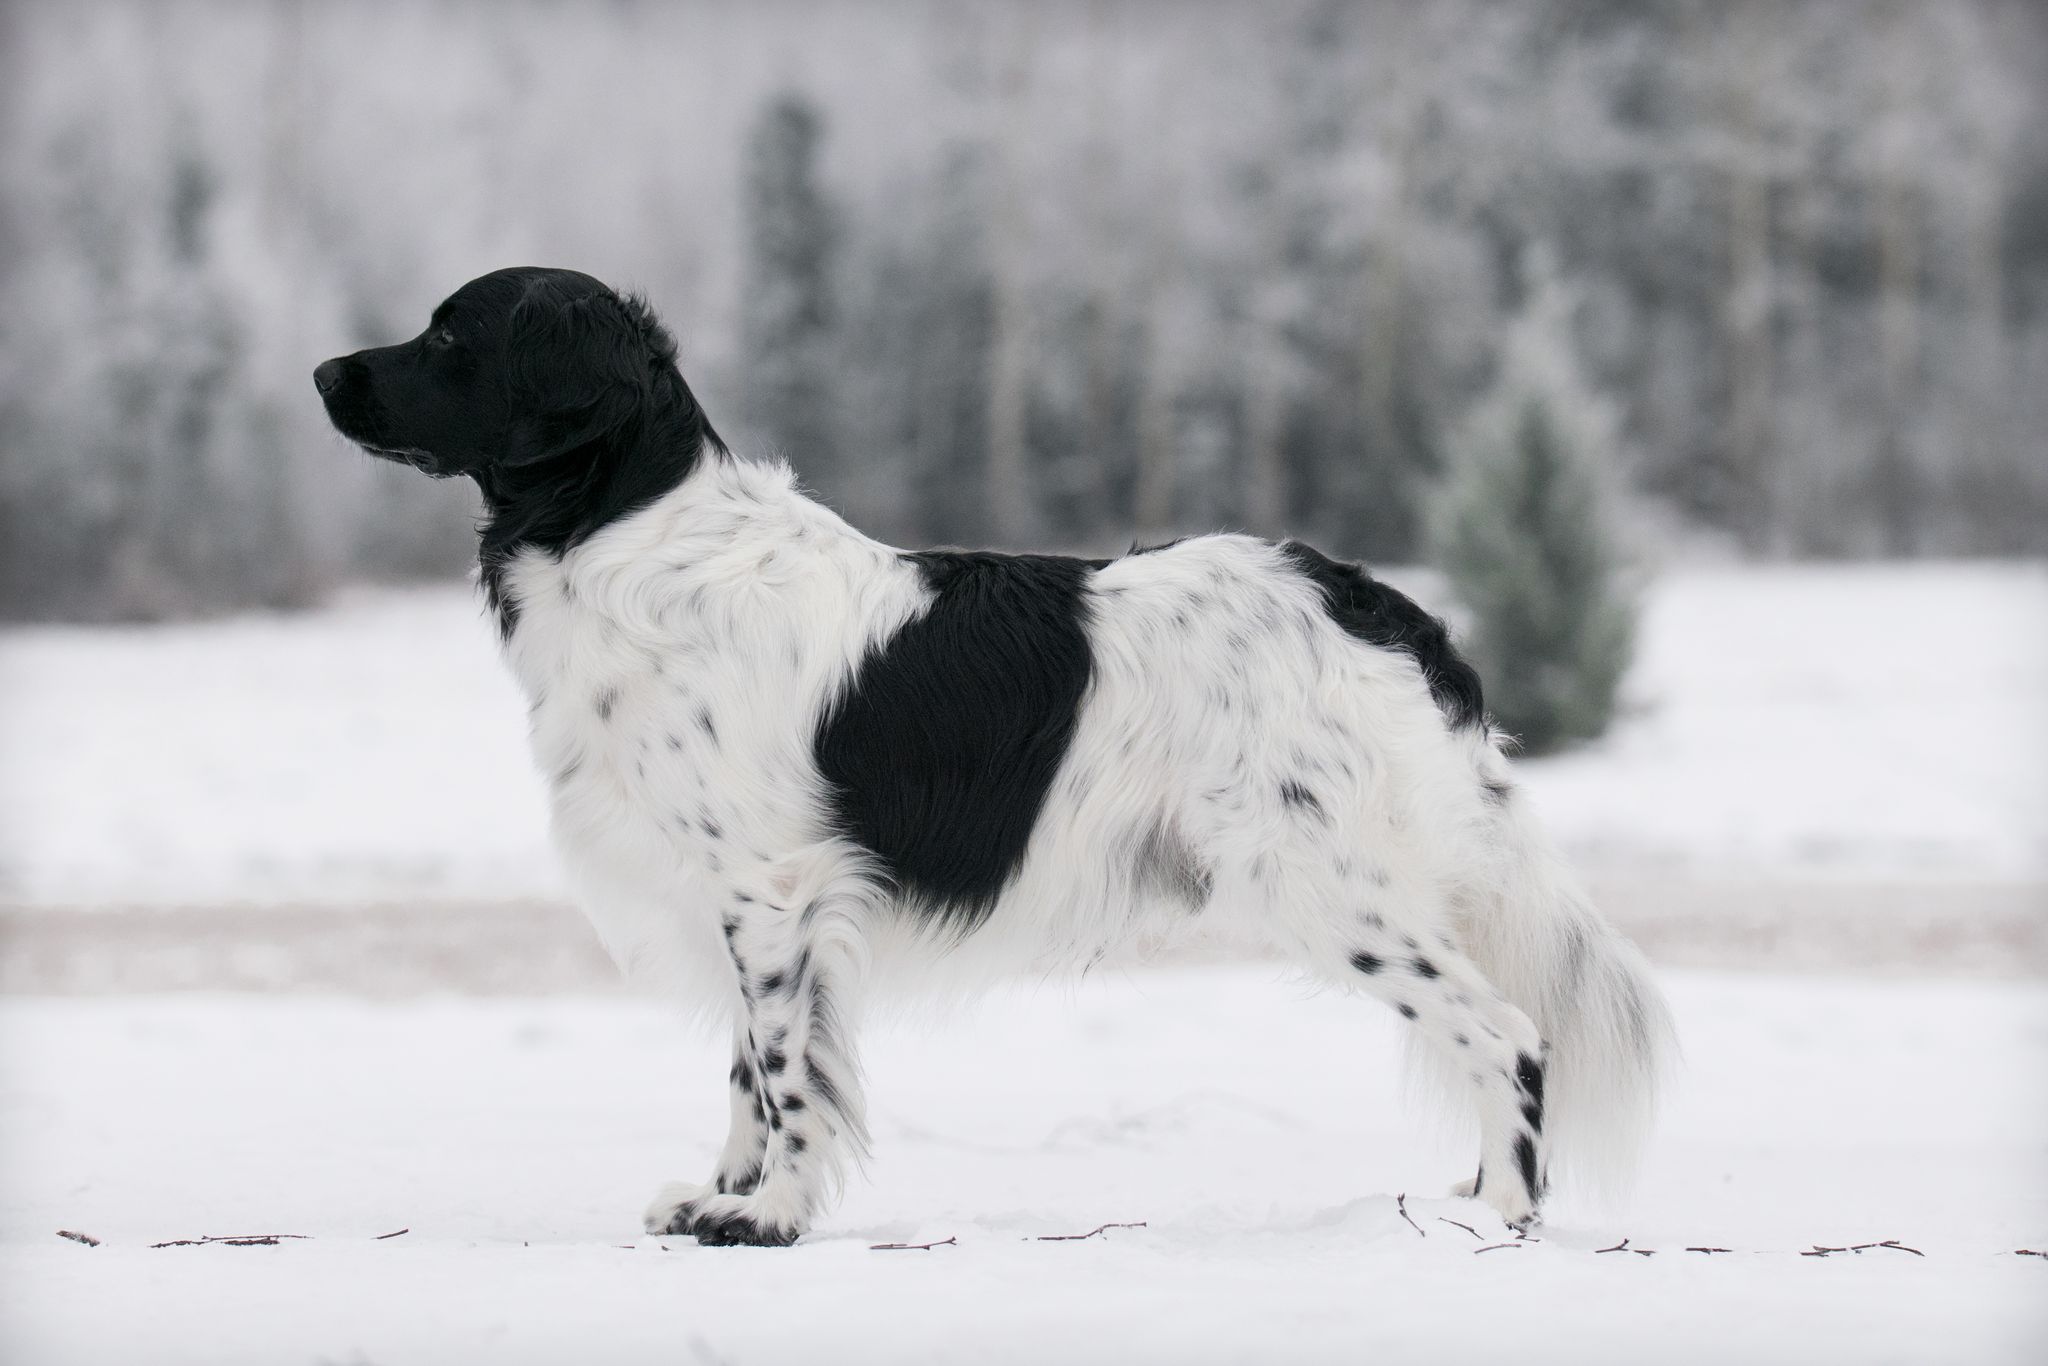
x,y
740,1183
1529,1080
1525,1162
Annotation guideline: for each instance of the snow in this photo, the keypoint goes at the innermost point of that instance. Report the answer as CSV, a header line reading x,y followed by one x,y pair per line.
x,y
517,1139
372,750
1866,722
1835,719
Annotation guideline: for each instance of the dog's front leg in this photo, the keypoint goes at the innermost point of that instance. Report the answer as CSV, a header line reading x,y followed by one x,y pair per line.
x,y
797,1113
746,1137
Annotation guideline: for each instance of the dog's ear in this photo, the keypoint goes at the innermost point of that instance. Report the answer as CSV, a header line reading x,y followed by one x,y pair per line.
x,y
581,369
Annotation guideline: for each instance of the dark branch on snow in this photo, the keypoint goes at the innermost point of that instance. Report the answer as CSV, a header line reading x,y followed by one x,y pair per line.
x,y
1077,1237
913,1247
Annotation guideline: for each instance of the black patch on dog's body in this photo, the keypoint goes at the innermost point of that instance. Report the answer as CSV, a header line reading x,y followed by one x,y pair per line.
x,y
941,753
1378,615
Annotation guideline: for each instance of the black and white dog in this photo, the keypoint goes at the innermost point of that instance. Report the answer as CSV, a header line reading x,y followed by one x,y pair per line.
x,y
791,767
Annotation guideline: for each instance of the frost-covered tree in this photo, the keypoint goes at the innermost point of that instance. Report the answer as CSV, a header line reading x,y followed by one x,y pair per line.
x,y
1522,527
788,313
1081,269
147,473
923,362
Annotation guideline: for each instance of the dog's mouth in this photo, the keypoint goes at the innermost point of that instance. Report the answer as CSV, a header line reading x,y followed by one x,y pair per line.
x,y
414,456
352,417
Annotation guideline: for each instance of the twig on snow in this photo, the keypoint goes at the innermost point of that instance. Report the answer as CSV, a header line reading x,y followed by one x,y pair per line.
x,y
1822,1250
1077,1237
917,1247
1455,1224
1401,1204
393,1234
2027,1252
1623,1246
1493,1247
1710,1249
76,1237
234,1240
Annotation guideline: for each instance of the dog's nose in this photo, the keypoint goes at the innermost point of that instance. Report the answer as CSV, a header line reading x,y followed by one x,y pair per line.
x,y
328,377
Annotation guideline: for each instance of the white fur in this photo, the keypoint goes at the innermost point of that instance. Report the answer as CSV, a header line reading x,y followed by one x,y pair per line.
x,y
677,664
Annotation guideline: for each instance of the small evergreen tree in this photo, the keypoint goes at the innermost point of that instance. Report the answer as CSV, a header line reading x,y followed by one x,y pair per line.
x,y
788,318
1522,527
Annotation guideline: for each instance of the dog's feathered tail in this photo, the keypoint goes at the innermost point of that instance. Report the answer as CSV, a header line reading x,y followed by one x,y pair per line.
x,y
1536,935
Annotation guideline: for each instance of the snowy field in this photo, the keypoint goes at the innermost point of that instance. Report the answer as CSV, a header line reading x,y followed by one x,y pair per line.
x,y
1811,780
1257,1133
1854,722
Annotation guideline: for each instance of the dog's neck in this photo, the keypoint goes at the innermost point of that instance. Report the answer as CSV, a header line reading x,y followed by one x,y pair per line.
x,y
555,504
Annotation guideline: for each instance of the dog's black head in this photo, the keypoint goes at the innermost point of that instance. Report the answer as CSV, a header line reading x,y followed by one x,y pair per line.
x,y
558,396
517,367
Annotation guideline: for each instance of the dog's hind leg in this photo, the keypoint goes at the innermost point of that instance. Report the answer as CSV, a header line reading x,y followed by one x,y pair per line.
x,y
1483,1038
1461,1016
796,1086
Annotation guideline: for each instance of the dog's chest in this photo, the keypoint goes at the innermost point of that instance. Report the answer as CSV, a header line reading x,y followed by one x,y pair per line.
x,y
646,735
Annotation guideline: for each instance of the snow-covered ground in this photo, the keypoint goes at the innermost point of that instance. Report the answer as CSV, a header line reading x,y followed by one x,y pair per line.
x,y
1864,722
372,750
1842,720
1255,1131
1853,750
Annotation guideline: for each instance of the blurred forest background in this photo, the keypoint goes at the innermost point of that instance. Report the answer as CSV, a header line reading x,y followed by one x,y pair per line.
x,y
1049,274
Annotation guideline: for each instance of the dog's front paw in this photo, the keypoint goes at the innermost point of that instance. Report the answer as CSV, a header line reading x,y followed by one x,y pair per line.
x,y
715,1219
669,1212
1514,1207
737,1221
